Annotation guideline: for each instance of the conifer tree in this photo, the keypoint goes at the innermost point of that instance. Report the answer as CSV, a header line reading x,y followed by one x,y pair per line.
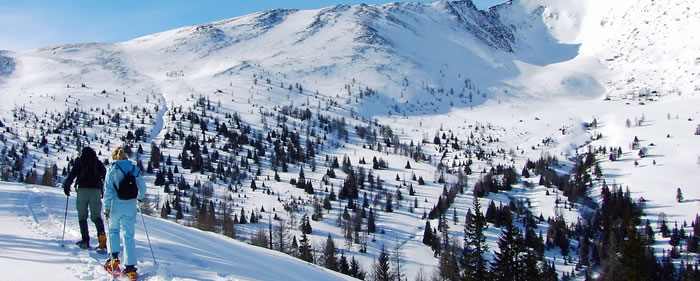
x,y
155,155
305,249
507,264
356,269
329,259
294,247
305,225
428,234
389,207
637,261
343,265
531,272
381,270
447,269
241,218
371,226
473,261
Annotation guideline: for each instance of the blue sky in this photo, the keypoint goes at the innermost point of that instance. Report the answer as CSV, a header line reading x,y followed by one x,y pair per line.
x,y
30,24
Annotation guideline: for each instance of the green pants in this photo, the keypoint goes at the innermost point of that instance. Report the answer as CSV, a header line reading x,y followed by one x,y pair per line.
x,y
89,198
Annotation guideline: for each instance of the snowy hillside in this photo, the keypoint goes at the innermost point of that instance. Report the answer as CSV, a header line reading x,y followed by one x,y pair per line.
x,y
369,122
32,220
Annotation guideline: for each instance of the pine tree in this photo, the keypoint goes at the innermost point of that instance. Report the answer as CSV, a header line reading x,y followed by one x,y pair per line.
x,y
305,225
305,249
447,269
160,179
531,272
675,239
49,178
663,228
428,234
473,261
389,207
507,264
253,186
294,247
584,248
343,265
371,227
241,218
667,270
637,260
679,195
491,212
329,259
356,269
381,270
155,156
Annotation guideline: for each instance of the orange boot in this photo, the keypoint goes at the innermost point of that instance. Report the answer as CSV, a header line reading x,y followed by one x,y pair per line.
x,y
102,247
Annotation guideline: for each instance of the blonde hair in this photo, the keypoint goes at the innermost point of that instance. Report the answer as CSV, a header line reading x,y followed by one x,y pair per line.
x,y
118,153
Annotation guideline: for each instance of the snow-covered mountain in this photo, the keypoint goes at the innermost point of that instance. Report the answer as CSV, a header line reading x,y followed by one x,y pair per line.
x,y
434,85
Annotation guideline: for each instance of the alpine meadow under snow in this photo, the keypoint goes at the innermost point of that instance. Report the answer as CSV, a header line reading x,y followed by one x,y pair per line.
x,y
333,137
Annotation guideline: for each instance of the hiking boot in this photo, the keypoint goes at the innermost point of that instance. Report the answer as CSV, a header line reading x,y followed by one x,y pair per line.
x,y
103,242
112,267
83,244
130,272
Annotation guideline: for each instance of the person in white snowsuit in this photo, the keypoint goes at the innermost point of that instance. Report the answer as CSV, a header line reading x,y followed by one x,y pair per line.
x,y
121,214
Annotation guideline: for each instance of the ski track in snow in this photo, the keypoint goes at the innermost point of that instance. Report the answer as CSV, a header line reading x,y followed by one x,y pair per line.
x,y
158,125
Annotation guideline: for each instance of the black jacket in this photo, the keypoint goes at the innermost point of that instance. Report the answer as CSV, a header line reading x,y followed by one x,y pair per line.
x,y
91,176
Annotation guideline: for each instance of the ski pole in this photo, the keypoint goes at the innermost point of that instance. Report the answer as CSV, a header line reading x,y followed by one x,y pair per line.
x,y
148,237
111,257
65,217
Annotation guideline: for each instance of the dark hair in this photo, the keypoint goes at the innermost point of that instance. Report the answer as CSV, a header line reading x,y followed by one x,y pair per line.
x,y
88,156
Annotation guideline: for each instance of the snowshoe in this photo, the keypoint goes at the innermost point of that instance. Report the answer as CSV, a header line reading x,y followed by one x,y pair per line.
x,y
83,244
130,273
112,267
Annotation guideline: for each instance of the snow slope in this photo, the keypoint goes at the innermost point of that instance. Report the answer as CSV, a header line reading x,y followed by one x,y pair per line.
x,y
31,238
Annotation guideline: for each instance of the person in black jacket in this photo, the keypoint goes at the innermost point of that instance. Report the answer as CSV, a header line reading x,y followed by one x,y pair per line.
x,y
90,174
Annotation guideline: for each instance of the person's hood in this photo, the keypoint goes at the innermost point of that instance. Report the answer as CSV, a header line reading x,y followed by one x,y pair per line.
x,y
87,155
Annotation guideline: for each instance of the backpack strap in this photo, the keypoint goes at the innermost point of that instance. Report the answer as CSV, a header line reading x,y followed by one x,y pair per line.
x,y
120,169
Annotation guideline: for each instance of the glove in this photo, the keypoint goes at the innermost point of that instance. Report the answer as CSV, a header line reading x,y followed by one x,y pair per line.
x,y
107,214
66,190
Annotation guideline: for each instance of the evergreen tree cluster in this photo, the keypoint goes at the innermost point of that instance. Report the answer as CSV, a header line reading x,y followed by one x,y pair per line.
x,y
445,201
518,257
499,178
